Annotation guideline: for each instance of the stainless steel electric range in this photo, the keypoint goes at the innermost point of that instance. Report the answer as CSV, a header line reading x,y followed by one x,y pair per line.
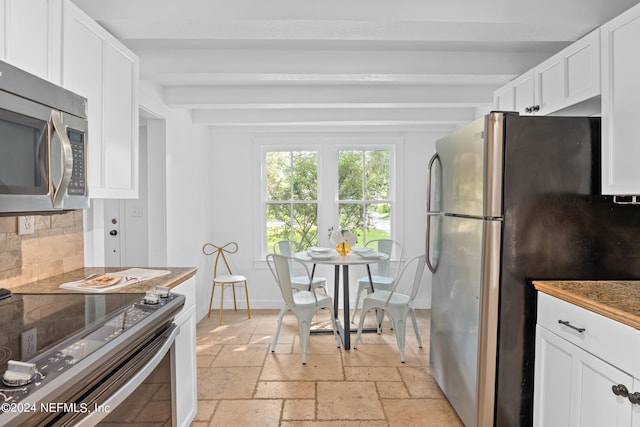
x,y
75,359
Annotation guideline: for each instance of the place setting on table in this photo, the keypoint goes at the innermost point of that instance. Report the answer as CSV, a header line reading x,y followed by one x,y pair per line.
x,y
343,254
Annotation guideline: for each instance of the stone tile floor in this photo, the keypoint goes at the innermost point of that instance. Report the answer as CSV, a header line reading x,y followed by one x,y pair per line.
x,y
242,383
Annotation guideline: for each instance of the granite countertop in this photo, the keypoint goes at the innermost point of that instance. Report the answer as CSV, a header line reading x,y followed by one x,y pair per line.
x,y
616,299
52,284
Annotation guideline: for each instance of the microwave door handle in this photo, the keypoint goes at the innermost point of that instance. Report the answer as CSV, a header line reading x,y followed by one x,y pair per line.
x,y
67,160
430,213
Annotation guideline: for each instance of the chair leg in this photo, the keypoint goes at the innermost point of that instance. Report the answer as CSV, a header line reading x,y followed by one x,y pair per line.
x,y
415,327
221,302
355,305
304,328
360,326
213,288
335,326
246,292
400,336
233,288
275,338
380,319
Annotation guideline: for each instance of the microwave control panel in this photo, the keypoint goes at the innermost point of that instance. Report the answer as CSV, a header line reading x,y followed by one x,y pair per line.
x,y
77,185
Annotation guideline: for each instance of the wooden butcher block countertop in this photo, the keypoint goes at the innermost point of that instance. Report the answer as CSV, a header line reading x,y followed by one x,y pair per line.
x,y
617,300
52,284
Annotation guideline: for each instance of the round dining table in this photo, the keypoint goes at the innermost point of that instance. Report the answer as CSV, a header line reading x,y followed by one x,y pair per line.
x,y
331,257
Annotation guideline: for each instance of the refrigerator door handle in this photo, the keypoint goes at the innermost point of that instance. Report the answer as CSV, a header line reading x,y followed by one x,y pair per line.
x,y
430,213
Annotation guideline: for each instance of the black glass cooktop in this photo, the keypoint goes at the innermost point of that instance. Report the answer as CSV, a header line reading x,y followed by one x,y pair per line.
x,y
33,323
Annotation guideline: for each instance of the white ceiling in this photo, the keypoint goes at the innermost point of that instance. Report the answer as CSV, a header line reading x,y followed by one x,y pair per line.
x,y
277,65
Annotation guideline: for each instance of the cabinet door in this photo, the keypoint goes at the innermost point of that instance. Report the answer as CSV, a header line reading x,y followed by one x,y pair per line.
x,y
185,355
29,37
620,106
100,68
594,402
524,91
582,62
120,133
573,387
185,368
552,387
550,83
504,99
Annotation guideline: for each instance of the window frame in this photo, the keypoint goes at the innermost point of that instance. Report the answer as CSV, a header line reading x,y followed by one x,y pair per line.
x,y
327,148
364,202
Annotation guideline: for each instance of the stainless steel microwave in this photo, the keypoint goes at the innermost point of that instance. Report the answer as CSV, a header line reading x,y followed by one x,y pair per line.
x,y
43,145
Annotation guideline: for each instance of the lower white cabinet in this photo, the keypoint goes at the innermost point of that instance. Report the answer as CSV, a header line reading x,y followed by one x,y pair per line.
x,y
576,387
184,357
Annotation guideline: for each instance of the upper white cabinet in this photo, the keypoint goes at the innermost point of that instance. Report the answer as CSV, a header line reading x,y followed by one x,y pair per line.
x,y
29,37
99,67
620,107
568,78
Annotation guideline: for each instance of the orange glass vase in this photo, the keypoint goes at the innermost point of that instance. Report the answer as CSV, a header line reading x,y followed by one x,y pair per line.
x,y
343,248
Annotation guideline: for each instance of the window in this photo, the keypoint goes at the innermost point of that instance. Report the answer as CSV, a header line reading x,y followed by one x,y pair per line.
x,y
309,185
364,203
291,197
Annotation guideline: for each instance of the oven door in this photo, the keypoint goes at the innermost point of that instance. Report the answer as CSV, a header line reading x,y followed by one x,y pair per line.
x,y
141,389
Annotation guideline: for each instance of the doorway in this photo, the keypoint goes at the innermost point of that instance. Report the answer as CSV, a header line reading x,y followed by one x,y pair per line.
x,y
135,229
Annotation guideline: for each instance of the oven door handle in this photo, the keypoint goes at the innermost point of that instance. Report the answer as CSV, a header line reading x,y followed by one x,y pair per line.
x,y
130,386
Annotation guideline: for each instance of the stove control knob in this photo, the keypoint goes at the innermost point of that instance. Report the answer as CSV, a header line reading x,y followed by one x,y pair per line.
x,y
163,291
19,373
151,298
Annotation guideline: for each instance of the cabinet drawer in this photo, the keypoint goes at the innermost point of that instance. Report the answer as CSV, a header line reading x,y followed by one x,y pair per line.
x,y
603,337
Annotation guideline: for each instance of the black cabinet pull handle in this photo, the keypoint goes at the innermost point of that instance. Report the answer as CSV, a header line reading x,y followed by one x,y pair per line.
x,y
535,108
566,323
634,398
620,390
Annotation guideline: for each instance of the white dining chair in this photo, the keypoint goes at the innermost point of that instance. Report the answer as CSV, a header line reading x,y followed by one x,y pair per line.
x,y
384,274
304,304
299,282
397,305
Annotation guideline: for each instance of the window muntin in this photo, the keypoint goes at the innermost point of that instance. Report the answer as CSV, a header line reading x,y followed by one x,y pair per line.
x,y
364,204
291,197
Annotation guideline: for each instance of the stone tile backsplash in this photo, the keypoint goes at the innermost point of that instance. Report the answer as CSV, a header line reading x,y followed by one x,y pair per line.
x,y
56,247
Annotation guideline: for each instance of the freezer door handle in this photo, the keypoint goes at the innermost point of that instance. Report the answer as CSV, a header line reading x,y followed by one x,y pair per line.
x,y
430,213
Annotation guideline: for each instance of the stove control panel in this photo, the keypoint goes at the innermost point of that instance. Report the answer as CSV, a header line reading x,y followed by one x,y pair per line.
x,y
62,358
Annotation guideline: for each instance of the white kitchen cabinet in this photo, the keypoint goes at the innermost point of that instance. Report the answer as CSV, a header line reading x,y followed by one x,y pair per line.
x,y
577,366
99,67
620,107
504,99
30,36
567,79
524,89
184,356
517,95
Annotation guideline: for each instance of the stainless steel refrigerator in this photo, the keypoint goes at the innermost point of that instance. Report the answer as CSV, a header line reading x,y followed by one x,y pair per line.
x,y
512,199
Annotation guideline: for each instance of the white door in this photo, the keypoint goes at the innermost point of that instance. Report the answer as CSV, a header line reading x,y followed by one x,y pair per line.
x,y
113,233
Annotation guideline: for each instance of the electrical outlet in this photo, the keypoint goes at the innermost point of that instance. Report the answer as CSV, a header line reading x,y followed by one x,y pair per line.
x,y
28,343
26,225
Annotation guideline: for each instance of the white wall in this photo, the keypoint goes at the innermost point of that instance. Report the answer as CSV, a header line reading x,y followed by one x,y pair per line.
x,y
233,190
188,204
